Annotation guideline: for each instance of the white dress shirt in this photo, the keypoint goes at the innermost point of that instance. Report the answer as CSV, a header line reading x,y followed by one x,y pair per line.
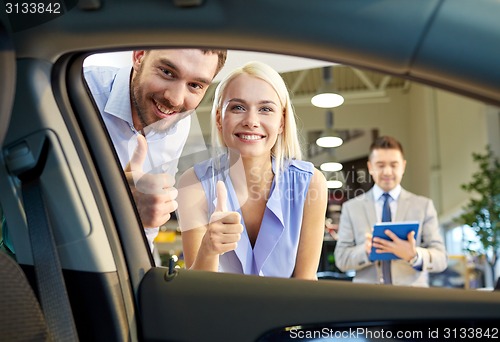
x,y
393,204
110,88
379,201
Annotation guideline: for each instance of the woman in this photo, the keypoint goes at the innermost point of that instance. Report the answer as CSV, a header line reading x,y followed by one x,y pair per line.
x,y
255,208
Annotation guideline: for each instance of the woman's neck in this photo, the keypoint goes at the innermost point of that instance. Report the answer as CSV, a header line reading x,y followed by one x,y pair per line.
x,y
258,173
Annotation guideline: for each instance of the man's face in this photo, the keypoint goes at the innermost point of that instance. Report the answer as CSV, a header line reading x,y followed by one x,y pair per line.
x,y
386,166
167,85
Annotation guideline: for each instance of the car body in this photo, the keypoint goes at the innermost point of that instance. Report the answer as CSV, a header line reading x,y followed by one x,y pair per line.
x,y
116,292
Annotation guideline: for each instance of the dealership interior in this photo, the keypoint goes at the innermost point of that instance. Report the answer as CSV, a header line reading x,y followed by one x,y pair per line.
x,y
440,131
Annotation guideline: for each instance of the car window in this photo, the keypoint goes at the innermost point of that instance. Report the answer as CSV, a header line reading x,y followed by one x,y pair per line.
x,y
440,131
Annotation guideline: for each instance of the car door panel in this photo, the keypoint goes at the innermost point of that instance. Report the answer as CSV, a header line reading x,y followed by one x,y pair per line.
x,y
63,195
99,291
195,305
8,79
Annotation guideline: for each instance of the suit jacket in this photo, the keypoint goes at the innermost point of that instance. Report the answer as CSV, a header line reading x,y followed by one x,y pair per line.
x,y
358,217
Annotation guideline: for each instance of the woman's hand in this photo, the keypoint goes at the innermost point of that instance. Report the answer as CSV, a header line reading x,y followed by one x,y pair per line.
x,y
225,228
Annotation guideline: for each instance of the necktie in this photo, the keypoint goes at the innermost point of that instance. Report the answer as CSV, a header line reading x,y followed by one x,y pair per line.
x,y
386,210
386,217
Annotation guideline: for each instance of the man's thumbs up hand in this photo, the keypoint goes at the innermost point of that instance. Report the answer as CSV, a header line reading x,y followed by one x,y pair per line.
x,y
141,151
154,194
225,228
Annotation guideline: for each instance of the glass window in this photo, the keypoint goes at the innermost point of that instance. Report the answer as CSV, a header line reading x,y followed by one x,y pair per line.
x,y
439,132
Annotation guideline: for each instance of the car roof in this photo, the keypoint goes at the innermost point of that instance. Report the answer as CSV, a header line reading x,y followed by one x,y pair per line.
x,y
436,42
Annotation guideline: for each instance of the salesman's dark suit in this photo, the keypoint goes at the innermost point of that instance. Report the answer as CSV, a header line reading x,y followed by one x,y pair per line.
x,y
358,217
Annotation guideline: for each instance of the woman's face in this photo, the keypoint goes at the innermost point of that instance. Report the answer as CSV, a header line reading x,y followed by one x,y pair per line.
x,y
252,116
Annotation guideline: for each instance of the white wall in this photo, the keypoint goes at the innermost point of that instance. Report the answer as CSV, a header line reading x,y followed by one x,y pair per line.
x,y
462,128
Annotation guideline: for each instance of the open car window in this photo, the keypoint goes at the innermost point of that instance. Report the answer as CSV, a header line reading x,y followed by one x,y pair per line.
x,y
440,132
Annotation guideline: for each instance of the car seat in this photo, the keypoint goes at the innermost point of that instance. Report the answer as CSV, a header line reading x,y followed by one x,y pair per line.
x,y
21,317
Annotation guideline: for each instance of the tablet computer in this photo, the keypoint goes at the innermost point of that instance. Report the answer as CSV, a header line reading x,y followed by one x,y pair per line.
x,y
401,229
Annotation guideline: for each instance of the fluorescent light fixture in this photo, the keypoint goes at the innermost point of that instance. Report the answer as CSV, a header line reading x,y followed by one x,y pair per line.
x,y
327,100
327,97
329,137
329,141
331,167
334,184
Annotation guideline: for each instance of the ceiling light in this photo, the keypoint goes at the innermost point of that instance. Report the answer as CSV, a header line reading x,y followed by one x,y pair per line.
x,y
334,184
329,141
331,167
329,137
327,100
326,96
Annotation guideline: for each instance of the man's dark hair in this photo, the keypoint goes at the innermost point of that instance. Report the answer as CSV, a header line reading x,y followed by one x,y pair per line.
x,y
387,143
222,54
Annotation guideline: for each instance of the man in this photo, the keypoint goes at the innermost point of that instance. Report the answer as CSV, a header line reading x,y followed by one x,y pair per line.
x,y
418,255
146,110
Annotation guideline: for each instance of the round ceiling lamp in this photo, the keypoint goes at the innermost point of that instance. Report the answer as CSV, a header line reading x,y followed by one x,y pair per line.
x,y
327,100
331,167
329,137
334,184
329,141
326,96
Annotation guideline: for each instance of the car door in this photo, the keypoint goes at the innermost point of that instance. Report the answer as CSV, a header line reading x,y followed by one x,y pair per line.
x,y
115,291
95,275
8,83
8,78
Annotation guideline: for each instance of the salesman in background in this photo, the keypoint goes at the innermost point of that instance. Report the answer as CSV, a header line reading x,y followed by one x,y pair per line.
x,y
388,201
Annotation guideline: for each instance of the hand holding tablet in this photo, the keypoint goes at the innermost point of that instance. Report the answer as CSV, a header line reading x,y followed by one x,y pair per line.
x,y
401,229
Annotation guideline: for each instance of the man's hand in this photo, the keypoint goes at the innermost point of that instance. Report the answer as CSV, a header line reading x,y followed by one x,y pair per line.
x,y
225,228
154,194
405,249
368,243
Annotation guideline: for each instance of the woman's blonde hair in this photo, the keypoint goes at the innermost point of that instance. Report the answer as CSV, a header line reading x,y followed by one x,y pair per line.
x,y
287,145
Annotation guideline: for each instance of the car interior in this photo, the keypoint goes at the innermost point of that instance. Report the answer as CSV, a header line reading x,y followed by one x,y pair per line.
x,y
77,265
